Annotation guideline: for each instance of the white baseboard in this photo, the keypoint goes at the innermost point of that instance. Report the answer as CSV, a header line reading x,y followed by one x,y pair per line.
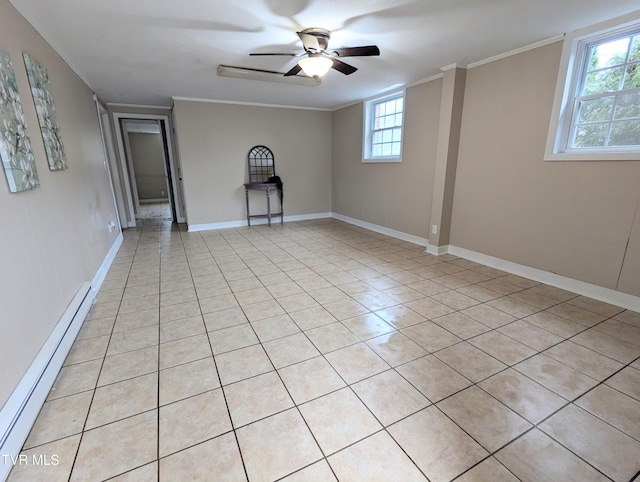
x,y
21,409
383,230
596,292
437,250
255,222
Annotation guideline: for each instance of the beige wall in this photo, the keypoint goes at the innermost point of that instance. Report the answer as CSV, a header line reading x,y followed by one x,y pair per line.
x,y
55,237
393,195
214,140
569,218
147,155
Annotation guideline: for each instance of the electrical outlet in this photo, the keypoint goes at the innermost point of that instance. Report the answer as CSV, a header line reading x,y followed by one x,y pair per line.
x,y
111,226
434,229
162,193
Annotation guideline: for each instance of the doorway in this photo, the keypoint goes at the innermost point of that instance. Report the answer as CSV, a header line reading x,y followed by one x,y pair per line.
x,y
149,170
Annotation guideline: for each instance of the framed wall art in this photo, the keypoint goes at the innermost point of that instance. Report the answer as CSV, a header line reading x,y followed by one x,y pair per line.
x,y
46,111
15,146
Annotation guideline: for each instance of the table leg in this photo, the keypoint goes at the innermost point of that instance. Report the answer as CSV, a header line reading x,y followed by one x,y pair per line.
x,y
246,194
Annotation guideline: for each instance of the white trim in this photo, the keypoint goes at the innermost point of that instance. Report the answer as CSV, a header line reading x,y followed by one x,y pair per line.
x,y
424,81
517,51
275,220
437,250
101,274
21,409
254,104
596,292
382,230
159,200
139,106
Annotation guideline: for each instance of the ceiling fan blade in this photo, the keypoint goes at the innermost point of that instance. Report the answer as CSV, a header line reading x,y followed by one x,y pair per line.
x,y
364,51
309,41
296,68
340,66
276,53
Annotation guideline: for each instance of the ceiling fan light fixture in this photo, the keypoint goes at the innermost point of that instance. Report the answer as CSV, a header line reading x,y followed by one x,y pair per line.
x,y
315,66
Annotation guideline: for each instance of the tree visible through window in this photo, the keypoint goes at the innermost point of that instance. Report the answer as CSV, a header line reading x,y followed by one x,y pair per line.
x,y
607,105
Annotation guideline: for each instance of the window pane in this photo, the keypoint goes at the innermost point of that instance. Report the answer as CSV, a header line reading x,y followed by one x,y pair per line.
x,y
625,133
377,138
398,120
397,135
390,108
399,103
595,110
377,150
379,110
387,136
389,121
591,135
608,54
627,107
602,81
395,149
386,150
632,76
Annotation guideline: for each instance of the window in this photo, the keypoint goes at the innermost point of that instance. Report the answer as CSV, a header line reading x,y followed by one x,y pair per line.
x,y
383,128
597,104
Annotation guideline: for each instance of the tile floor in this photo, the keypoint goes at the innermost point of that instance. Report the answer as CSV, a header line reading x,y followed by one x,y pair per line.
x,y
321,351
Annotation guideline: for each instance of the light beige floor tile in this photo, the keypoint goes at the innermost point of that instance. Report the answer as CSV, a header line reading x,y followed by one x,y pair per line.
x,y
342,310
318,472
93,328
179,311
606,448
478,292
297,302
142,303
243,363
191,421
59,419
396,348
530,335
535,299
87,350
500,286
505,349
400,316
402,294
217,303
584,360
461,325
368,326
133,321
522,395
224,319
555,324
53,462
596,306
128,365
255,398
472,363
513,307
184,350
620,330
178,280
338,420
629,317
356,362
455,300
433,378
489,315
375,458
75,379
436,445
429,287
390,397
290,349
610,346
578,315
277,446
563,380
429,308
276,327
103,310
627,381
615,408
262,310
103,455
431,336
133,340
312,318
174,330
180,296
141,474
537,457
219,456
328,295
331,337
123,399
184,381
488,421
232,338
310,379
489,470
375,300
553,292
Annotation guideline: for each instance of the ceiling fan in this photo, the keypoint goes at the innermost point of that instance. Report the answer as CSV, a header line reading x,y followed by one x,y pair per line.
x,y
317,60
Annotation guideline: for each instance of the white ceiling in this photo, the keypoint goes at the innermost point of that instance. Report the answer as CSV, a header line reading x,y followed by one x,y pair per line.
x,y
146,51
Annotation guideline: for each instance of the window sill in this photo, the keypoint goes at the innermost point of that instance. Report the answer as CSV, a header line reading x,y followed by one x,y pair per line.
x,y
593,156
375,160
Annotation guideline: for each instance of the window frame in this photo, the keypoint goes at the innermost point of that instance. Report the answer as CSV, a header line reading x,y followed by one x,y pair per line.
x,y
368,126
570,77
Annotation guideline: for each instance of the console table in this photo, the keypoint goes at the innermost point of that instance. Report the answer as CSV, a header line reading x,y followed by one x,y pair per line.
x,y
268,188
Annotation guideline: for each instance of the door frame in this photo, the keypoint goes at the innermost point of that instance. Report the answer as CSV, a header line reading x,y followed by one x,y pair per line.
x,y
117,117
